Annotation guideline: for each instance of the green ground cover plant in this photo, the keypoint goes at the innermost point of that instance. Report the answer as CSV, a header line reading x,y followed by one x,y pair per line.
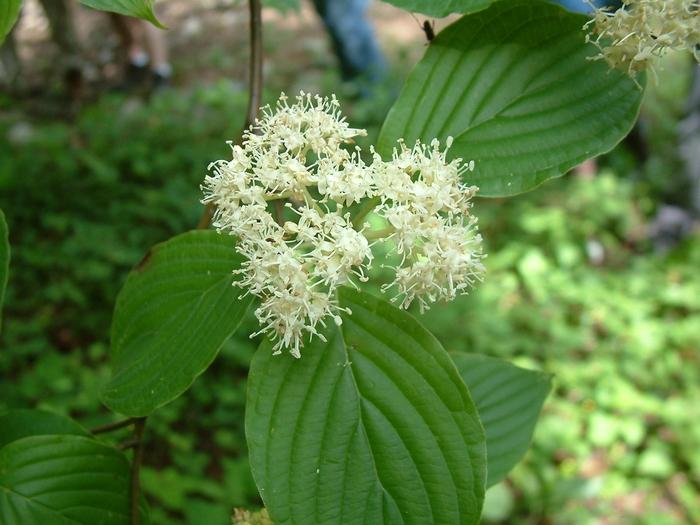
x,y
392,415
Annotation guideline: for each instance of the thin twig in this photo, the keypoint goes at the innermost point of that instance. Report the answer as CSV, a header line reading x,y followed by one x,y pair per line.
x,y
255,87
205,219
363,211
379,234
129,443
279,212
135,492
109,427
255,69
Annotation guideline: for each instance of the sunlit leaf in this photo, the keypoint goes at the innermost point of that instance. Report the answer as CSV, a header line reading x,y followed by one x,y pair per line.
x,y
513,85
509,400
9,10
373,426
137,8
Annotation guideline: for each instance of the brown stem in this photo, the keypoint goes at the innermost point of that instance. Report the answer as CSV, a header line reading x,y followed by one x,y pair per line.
x,y
255,86
129,443
363,211
279,212
205,219
255,69
139,425
109,427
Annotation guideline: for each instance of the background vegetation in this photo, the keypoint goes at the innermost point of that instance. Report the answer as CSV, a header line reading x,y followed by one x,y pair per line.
x,y
575,287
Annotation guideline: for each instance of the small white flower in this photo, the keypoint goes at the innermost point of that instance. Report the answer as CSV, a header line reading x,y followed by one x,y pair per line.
x,y
433,230
288,317
347,182
337,251
631,37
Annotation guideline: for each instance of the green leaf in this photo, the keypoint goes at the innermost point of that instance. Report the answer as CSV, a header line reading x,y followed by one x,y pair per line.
x,y
17,424
284,6
175,311
9,11
4,259
63,480
441,8
509,400
513,85
373,426
142,9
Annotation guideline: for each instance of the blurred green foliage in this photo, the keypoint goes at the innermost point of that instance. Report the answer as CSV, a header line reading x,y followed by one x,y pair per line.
x,y
572,288
86,200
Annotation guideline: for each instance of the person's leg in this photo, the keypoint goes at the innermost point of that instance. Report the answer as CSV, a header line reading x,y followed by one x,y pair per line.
x,y
158,47
131,36
62,27
353,38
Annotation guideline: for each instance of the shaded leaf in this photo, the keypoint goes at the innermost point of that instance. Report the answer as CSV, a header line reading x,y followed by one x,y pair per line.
x,y
374,426
17,424
509,400
175,311
513,85
63,480
9,11
4,259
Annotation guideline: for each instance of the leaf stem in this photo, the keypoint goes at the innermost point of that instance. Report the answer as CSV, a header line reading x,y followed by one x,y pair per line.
x,y
364,210
279,212
116,425
255,87
309,201
129,443
134,497
379,234
255,75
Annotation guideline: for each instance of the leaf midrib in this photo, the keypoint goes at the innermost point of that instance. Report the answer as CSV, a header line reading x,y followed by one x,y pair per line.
x,y
361,425
30,501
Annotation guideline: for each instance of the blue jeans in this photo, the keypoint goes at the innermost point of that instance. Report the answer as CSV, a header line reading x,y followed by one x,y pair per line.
x,y
353,38
581,6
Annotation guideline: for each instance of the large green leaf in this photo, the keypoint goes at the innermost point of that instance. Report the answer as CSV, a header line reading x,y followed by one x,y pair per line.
x,y
176,310
63,480
17,424
137,8
374,426
513,85
4,260
9,10
441,8
509,400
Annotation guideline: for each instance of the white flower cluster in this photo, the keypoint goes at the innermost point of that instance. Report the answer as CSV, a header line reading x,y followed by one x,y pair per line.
x,y
299,253
428,208
631,37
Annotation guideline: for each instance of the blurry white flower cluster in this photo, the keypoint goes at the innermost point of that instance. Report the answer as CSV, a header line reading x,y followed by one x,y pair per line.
x,y
641,30
427,207
299,253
